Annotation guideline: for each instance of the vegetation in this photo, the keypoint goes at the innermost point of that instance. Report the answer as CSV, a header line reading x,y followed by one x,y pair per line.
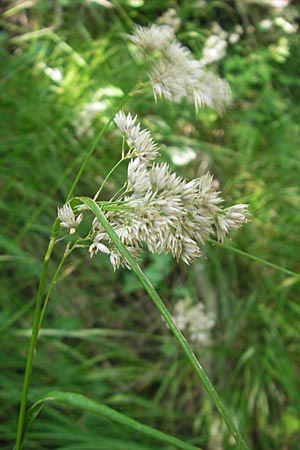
x,y
66,68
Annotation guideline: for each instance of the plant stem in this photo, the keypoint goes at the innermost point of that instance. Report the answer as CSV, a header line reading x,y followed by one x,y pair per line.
x,y
169,320
256,258
34,337
53,281
107,177
39,313
85,404
93,146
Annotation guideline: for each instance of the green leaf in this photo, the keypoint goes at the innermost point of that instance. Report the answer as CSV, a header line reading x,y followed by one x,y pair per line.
x,y
170,322
81,402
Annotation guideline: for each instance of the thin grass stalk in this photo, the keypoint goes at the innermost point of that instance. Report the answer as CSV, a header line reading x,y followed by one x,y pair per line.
x,y
34,337
81,402
52,283
232,427
39,299
256,258
107,177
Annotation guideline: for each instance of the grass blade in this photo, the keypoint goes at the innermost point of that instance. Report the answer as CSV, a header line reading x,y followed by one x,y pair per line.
x,y
169,320
83,403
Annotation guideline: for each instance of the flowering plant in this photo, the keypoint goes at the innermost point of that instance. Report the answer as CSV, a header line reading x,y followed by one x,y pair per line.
x,y
156,207
175,73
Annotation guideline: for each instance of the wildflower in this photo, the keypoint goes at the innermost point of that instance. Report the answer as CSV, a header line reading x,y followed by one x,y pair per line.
x,y
137,179
83,123
214,49
157,208
170,18
164,211
277,4
170,214
115,259
68,219
234,38
177,75
97,245
126,124
139,141
194,320
231,219
155,37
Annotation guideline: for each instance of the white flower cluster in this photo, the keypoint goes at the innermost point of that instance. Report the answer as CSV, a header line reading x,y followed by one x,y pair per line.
x,y
193,319
277,4
170,17
83,123
176,74
215,45
139,141
158,208
67,218
214,49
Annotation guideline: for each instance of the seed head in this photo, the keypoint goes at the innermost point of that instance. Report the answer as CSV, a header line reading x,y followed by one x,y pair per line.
x,y
68,219
176,74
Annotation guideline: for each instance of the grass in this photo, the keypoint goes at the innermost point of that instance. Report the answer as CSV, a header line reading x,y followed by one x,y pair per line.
x,y
129,361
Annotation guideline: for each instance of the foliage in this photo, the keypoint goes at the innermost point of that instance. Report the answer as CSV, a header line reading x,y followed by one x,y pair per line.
x,y
101,336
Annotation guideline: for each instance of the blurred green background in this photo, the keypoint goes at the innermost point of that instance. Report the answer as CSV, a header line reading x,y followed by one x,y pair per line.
x,y
64,67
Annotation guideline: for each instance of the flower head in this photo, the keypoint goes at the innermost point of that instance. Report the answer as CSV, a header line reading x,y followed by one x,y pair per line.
x,y
155,37
161,209
157,208
67,218
195,320
176,74
230,219
97,245
139,141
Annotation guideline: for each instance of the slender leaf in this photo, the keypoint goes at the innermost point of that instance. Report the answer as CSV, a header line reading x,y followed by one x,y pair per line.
x,y
81,402
169,320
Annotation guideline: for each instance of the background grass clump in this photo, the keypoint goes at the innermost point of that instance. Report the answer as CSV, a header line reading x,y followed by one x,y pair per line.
x,y
65,67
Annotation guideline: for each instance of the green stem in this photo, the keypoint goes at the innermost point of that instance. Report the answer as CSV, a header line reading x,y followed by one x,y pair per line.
x,y
34,337
90,406
93,146
169,320
53,282
123,14
107,177
255,258
39,300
